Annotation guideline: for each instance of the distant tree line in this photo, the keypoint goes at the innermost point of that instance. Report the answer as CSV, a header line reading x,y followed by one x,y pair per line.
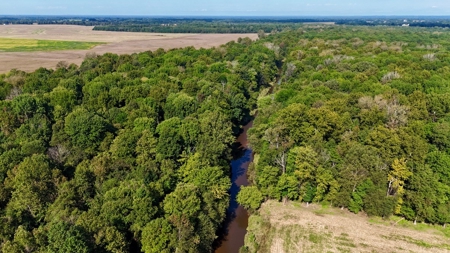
x,y
219,25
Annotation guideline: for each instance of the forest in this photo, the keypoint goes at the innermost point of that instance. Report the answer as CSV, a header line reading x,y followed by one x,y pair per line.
x,y
131,153
221,24
360,120
125,153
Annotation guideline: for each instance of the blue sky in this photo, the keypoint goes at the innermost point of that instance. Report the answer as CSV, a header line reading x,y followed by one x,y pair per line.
x,y
226,7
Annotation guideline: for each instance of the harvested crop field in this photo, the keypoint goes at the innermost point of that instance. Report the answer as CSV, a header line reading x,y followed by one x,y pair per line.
x,y
116,42
296,228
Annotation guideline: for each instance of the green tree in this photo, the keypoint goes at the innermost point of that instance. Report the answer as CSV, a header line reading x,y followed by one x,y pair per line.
x,y
25,106
170,141
181,208
216,137
358,162
377,203
33,188
190,131
288,187
63,100
24,241
250,197
123,148
440,135
396,179
358,196
267,179
294,117
179,105
159,236
85,129
279,142
67,238
303,162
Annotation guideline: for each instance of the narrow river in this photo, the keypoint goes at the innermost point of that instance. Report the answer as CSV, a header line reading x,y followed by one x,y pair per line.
x,y
236,229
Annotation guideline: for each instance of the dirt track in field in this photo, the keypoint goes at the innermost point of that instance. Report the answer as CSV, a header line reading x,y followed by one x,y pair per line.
x,y
117,42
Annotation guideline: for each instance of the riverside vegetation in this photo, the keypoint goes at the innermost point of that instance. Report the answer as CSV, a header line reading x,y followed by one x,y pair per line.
x,y
131,153
125,153
360,120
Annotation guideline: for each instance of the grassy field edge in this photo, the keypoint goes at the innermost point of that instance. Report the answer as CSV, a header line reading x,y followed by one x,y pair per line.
x,y
296,228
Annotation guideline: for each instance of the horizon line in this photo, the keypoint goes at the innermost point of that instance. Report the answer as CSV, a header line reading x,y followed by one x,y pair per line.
x,y
218,15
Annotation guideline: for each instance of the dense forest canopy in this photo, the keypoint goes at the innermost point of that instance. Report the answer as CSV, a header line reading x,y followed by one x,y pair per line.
x,y
360,119
131,153
125,153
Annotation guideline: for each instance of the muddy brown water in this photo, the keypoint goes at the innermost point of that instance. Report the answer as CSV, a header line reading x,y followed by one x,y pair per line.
x,y
237,228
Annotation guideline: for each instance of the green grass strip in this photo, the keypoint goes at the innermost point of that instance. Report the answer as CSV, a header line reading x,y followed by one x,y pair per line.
x,y
31,45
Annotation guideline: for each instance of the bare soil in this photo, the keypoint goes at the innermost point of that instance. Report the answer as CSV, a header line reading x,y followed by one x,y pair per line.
x,y
297,228
117,42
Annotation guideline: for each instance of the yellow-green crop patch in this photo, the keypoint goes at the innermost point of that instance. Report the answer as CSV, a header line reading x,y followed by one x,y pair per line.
x,y
28,45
